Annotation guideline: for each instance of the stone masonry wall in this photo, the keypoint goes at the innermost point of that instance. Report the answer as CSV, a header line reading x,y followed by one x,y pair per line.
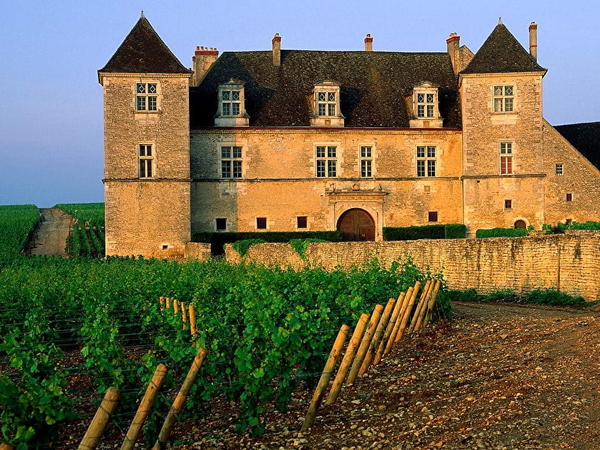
x,y
568,262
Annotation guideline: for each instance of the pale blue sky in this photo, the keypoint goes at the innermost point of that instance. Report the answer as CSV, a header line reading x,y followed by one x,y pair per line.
x,y
51,114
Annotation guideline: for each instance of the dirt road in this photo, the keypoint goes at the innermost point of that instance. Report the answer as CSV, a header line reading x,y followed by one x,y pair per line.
x,y
496,377
51,238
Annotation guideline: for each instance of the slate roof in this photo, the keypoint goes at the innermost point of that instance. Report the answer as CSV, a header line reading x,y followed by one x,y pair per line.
x,y
501,53
374,86
585,137
143,51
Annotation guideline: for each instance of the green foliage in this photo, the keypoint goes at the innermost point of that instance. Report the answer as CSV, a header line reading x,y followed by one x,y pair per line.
x,y
87,234
561,227
500,232
537,296
455,231
17,225
300,245
268,331
218,240
242,247
448,231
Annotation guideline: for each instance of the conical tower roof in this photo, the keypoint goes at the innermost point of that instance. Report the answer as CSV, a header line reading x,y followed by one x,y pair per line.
x,y
502,53
143,51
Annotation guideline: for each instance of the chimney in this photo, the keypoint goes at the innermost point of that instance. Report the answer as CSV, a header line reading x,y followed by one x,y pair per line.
x,y
533,40
276,50
368,43
453,43
203,60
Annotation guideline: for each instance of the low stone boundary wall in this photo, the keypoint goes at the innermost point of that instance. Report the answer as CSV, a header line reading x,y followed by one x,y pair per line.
x,y
197,251
568,262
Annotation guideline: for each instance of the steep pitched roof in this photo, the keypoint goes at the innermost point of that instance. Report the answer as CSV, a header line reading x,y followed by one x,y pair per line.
x,y
501,53
374,86
585,137
143,51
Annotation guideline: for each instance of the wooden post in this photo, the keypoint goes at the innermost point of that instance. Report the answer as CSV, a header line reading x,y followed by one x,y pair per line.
x,y
377,337
175,306
183,315
389,328
192,320
409,293
431,304
177,406
423,301
145,406
6,446
364,344
101,418
168,303
336,387
162,303
407,313
334,355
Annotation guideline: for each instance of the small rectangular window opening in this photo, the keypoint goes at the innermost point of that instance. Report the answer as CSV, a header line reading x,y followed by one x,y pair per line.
x,y
569,197
261,223
301,222
559,169
432,216
507,204
221,223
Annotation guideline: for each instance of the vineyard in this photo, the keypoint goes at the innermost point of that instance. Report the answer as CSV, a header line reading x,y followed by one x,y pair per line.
x,y
87,235
72,328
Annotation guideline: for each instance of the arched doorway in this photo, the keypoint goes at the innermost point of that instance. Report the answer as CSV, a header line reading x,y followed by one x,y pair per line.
x,y
356,225
520,224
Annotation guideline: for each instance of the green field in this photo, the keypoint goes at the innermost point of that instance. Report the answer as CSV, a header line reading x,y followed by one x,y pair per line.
x,y
87,236
73,327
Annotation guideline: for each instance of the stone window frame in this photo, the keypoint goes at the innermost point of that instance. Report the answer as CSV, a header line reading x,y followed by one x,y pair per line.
x,y
326,101
146,154
231,108
262,223
302,222
559,169
426,161
426,106
231,164
508,203
502,101
366,160
327,157
569,197
506,157
220,224
151,100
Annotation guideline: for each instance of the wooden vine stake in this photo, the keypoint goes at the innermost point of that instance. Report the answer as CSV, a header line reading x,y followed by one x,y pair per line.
x,y
175,306
192,320
168,303
397,325
364,344
338,382
407,313
4,446
419,306
377,337
417,319
162,303
101,418
431,305
334,355
177,406
183,314
389,328
145,406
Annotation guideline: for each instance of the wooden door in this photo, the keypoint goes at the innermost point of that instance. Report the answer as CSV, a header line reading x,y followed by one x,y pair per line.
x,y
356,225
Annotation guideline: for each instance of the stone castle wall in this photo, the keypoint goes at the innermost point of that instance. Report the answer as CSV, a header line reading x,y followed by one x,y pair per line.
x,y
568,262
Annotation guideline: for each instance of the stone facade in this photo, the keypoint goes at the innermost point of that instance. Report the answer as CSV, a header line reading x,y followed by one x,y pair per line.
x,y
568,263
243,143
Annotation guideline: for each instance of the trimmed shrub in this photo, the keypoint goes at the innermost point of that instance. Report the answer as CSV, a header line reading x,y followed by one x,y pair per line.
x,y
455,231
500,232
413,233
218,240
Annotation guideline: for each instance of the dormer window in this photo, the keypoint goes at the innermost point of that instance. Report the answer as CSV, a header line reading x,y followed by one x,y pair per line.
x,y
326,105
231,111
425,104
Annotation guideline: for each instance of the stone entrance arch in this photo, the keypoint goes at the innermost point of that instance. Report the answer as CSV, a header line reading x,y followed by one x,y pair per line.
x,y
356,225
520,224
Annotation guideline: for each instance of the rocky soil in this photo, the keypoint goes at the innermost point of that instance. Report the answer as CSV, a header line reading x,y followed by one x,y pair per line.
x,y
496,377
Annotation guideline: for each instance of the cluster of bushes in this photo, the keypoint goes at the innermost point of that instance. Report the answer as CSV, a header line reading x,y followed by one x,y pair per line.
x,y
501,232
218,240
537,296
561,227
448,231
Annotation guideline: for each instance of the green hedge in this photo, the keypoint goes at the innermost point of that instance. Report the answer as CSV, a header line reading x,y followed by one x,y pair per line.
x,y
449,231
218,240
561,227
500,232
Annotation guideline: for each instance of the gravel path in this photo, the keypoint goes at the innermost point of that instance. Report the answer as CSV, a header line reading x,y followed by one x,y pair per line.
x,y
51,238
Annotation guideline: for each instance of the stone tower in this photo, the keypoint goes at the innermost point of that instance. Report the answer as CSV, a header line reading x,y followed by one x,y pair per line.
x,y
146,147
501,102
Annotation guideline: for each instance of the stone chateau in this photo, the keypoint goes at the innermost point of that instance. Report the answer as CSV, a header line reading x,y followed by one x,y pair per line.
x,y
293,140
